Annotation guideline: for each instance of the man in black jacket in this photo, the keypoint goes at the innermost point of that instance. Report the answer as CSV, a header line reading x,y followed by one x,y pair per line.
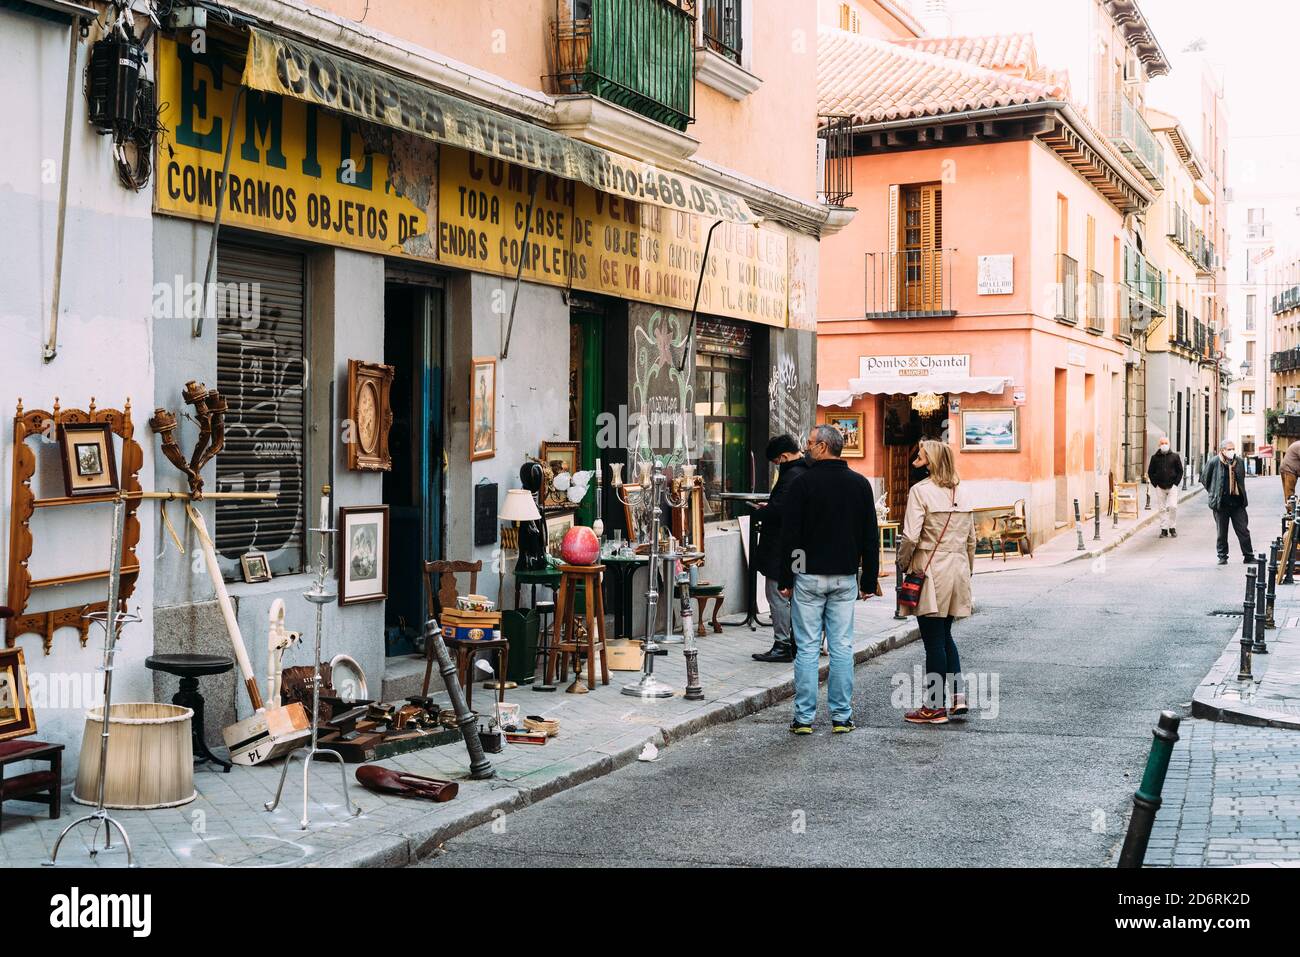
x,y
1224,478
1164,472
830,558
782,451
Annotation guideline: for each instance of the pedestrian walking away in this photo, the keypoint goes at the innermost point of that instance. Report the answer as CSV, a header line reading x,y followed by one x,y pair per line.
x,y
1224,477
830,559
1165,473
937,540
1290,469
783,451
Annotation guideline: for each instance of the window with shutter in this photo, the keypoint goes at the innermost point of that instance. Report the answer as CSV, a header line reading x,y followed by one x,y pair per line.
x,y
261,370
918,236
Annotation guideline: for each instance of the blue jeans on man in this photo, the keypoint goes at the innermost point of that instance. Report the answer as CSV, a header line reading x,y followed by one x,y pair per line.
x,y
823,605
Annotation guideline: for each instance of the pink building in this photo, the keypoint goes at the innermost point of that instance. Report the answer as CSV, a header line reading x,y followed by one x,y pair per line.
x,y
984,292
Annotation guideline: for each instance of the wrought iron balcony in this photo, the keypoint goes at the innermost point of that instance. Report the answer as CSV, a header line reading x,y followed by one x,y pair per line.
x,y
909,284
1067,289
1145,282
835,156
1126,128
636,53
1286,360
721,21
1123,313
1096,302
1286,300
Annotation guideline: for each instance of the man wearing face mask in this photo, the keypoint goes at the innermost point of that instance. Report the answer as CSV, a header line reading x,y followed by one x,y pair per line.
x,y
1165,472
783,452
1224,477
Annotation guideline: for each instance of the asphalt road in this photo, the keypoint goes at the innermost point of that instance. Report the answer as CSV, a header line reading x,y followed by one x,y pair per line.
x,y
1084,657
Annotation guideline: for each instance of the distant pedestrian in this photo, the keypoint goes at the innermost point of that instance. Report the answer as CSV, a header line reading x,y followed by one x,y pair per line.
x,y
1224,477
1165,472
938,540
783,451
1290,469
830,559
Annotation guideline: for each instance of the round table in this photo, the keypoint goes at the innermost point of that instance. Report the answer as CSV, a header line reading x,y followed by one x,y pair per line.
x,y
622,571
190,668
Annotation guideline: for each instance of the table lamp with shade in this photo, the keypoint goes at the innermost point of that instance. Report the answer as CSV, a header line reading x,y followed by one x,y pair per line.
x,y
521,507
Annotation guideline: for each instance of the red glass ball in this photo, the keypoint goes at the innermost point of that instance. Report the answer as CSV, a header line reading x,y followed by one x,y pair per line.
x,y
580,546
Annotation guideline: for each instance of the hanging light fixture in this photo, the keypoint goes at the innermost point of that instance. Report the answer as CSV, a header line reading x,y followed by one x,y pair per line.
x,y
927,403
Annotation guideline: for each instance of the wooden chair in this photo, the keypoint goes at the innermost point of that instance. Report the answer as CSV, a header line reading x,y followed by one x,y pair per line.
x,y
1013,530
441,589
43,787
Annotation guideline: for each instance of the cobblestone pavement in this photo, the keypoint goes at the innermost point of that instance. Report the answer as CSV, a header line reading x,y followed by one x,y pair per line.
x,y
1232,797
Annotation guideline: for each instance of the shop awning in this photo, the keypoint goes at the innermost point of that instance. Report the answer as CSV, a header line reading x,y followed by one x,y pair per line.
x,y
277,64
911,385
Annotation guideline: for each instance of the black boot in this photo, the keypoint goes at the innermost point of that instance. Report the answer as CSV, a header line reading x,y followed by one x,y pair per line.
x,y
782,653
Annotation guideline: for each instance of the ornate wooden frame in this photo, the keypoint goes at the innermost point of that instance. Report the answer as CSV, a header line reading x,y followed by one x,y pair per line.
x,y
376,379
39,422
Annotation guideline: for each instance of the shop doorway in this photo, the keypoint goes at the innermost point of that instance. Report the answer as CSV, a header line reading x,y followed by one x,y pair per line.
x,y
586,393
1060,448
413,489
902,431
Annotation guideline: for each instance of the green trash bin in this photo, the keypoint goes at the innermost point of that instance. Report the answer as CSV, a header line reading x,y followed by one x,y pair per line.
x,y
520,628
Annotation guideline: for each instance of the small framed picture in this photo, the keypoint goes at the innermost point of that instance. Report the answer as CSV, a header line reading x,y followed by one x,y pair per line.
x,y
363,554
990,430
255,566
557,524
850,425
89,466
483,409
17,716
562,458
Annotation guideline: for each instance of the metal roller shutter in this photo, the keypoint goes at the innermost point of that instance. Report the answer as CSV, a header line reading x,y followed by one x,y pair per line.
x,y
261,370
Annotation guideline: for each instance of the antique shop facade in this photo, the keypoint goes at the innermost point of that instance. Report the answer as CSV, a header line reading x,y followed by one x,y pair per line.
x,y
428,237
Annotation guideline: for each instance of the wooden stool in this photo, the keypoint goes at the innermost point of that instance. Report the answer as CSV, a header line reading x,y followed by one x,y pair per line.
x,y
43,787
564,639
702,592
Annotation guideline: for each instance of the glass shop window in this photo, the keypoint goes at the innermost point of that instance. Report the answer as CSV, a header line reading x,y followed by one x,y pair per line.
x,y
722,378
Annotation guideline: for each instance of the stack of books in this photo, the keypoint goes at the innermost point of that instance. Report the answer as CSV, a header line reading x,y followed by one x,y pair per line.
x,y
470,625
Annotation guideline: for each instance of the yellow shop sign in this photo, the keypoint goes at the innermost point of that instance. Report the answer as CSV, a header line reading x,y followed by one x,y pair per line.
x,y
295,169
596,242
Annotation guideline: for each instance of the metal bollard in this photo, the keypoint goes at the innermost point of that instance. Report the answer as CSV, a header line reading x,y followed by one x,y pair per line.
x,y
1114,510
1146,799
1247,626
1148,496
1271,594
1078,525
1261,605
1096,516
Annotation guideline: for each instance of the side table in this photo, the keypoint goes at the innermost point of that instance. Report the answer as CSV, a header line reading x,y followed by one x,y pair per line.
x,y
190,668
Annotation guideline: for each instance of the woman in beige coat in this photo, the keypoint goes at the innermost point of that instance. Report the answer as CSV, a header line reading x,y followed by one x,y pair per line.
x,y
938,538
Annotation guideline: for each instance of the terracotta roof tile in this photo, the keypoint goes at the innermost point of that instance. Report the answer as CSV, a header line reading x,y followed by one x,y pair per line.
x,y
998,52
878,80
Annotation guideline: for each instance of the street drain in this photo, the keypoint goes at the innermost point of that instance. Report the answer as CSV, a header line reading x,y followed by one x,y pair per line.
x,y
1227,613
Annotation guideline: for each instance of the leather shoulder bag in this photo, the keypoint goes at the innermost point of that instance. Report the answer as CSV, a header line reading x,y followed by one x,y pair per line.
x,y
909,592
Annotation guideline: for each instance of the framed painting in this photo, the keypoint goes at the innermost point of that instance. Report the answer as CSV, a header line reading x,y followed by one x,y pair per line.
x,y
561,458
990,430
483,409
17,716
851,426
255,566
557,524
363,554
89,466
370,386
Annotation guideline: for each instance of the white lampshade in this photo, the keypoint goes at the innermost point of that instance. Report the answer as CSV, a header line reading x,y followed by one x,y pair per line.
x,y
519,506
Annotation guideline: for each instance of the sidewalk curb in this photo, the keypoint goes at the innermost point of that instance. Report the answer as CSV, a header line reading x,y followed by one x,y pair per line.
x,y
412,841
1128,533
1207,705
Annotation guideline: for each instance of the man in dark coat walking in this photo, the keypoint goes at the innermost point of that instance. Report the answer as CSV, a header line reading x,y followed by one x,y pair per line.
x,y
1165,472
1224,477
783,452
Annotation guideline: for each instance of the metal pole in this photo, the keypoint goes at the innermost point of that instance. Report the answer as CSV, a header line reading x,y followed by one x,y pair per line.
x,y
699,284
1261,605
222,189
479,766
649,686
1146,799
1096,516
1271,595
1078,525
519,273
52,344
1247,626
